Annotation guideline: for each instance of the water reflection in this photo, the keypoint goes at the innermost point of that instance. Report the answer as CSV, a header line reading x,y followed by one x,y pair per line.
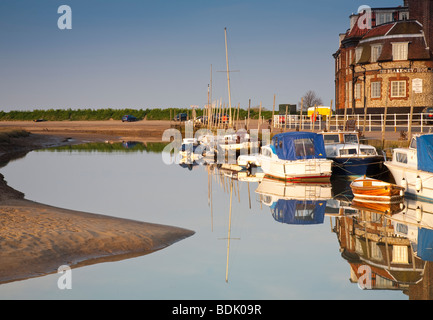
x,y
387,248
111,147
295,203
383,250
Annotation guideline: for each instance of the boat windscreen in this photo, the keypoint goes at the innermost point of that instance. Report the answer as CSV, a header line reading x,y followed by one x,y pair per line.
x,y
351,138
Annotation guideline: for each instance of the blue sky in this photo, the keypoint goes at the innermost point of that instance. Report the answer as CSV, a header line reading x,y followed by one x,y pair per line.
x,y
145,54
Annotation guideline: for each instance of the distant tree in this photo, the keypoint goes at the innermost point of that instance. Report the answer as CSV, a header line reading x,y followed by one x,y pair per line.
x,y
310,99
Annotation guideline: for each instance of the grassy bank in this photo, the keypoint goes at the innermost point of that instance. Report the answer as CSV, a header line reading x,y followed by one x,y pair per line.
x,y
6,136
115,114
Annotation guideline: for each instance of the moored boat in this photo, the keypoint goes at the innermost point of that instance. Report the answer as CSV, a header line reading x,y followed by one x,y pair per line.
x,y
373,190
296,156
389,208
351,158
412,167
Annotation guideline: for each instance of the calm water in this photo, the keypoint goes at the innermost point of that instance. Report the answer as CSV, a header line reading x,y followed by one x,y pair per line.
x,y
270,256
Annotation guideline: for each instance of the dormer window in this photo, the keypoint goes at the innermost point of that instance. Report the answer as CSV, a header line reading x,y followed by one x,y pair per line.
x,y
383,17
404,15
376,50
358,53
400,51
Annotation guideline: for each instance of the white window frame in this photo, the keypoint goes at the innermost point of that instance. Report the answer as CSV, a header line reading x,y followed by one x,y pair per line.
x,y
358,54
358,91
400,254
376,89
398,89
376,50
400,51
383,17
404,15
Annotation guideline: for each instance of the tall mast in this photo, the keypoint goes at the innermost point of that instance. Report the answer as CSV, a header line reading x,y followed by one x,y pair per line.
x,y
228,78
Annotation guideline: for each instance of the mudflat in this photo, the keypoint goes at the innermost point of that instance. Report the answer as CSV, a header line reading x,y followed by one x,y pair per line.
x,y
36,239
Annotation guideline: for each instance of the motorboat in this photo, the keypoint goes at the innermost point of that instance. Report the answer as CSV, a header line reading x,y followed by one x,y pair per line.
x,y
296,156
412,167
295,203
351,158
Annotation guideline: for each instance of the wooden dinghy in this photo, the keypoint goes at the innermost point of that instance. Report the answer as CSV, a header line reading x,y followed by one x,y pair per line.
x,y
379,207
373,190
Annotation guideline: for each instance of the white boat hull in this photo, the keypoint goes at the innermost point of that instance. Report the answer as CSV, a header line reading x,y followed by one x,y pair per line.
x,y
299,191
418,183
305,170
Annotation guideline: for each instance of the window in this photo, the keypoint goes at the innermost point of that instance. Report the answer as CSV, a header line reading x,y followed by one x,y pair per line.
x,y
383,17
401,157
376,50
399,51
376,88
400,254
351,138
348,151
413,143
358,54
368,151
404,15
304,147
331,138
398,89
358,91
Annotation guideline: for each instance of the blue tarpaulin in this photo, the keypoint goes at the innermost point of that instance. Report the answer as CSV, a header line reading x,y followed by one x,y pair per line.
x,y
425,244
299,211
424,149
299,145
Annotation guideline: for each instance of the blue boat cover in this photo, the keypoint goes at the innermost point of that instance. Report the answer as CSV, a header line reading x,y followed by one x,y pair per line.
x,y
299,145
424,150
425,244
304,212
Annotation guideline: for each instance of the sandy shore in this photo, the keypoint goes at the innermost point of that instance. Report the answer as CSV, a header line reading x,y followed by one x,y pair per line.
x,y
36,239
149,131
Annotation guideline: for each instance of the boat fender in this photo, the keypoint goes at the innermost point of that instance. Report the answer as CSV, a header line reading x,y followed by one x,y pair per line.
x,y
403,183
418,212
418,184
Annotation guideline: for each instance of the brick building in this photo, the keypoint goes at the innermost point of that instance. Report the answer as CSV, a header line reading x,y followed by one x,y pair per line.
x,y
386,58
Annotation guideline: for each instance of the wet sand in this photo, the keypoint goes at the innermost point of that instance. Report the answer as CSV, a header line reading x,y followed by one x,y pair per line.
x,y
36,239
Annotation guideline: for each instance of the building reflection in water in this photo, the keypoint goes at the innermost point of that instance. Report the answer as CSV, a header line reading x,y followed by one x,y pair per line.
x,y
390,251
386,247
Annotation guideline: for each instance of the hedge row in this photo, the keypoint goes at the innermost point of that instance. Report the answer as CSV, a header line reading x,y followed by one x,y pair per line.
x,y
107,114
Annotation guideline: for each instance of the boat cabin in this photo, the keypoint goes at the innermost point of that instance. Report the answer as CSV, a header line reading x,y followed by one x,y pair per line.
x,y
340,137
346,144
406,156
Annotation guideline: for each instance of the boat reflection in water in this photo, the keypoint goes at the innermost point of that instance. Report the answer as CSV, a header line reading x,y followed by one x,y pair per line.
x,y
391,250
295,203
387,247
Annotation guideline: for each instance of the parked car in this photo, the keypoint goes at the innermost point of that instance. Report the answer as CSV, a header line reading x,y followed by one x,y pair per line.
x,y
129,118
180,117
201,120
427,115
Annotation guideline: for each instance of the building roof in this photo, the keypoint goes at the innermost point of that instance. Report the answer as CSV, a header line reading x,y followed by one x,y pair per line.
x,y
399,31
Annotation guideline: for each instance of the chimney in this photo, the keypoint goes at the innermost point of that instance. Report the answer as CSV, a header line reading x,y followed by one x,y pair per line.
x,y
422,11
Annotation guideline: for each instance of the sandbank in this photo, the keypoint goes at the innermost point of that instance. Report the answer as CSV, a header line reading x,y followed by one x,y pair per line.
x,y
36,239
